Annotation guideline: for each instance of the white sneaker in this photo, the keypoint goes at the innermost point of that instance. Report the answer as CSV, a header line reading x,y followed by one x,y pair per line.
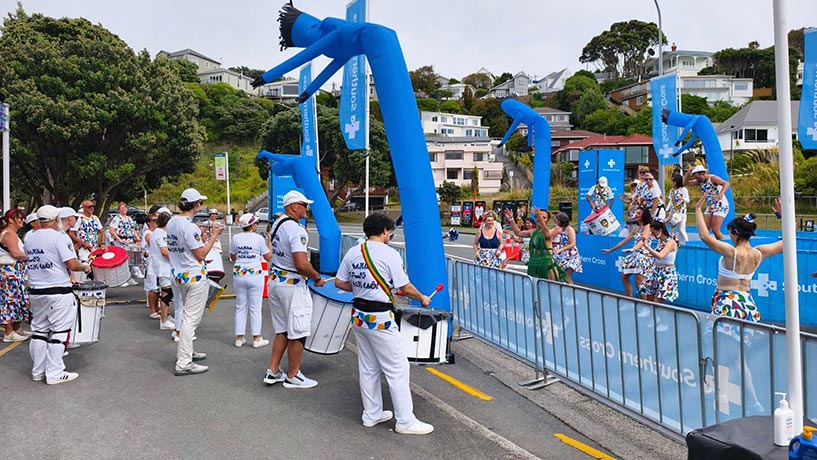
x,y
191,369
67,377
387,415
418,428
299,381
271,378
167,325
14,337
260,343
38,377
72,345
240,342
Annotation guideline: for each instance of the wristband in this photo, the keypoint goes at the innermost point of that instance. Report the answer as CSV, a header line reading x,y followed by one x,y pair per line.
x,y
777,214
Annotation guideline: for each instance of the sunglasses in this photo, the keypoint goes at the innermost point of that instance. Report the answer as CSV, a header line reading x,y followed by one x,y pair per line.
x,y
90,206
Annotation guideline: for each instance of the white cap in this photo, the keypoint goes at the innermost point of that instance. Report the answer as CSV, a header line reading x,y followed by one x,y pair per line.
x,y
635,181
31,217
192,194
213,211
247,220
164,210
294,196
603,181
67,212
47,213
697,169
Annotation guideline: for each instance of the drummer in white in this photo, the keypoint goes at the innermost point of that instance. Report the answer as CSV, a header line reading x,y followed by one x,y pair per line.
x,y
50,257
246,250
600,195
372,270
187,253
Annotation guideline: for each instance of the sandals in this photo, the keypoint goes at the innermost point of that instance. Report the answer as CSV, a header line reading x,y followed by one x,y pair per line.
x,y
155,316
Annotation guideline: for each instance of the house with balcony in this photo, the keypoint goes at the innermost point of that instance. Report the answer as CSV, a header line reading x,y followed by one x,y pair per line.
x,y
685,63
204,63
454,159
638,150
236,80
754,127
553,82
285,90
718,88
635,96
439,124
516,86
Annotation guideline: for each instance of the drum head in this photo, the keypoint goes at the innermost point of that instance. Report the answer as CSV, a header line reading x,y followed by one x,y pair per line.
x,y
113,257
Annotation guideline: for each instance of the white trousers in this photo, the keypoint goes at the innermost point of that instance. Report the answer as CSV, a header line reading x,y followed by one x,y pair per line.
x,y
680,231
51,313
178,302
195,299
382,351
249,292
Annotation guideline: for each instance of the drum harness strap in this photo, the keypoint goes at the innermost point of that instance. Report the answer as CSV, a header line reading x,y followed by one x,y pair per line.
x,y
48,336
60,291
384,285
272,237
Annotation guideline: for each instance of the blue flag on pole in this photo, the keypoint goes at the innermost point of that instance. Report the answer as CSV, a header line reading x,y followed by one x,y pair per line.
x,y
664,137
309,142
353,93
807,124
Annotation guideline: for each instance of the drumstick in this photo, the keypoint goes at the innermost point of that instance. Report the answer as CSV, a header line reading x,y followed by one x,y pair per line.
x,y
326,280
436,290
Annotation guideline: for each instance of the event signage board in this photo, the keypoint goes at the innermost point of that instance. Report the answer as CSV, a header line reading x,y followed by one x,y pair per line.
x,y
807,124
309,138
353,92
456,212
467,213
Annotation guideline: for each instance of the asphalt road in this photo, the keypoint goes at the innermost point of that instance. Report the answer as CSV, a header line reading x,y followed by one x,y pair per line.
x,y
128,403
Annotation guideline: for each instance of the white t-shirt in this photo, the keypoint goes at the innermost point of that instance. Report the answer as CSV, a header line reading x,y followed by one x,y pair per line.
x,y
387,262
159,265
289,239
183,236
248,248
48,250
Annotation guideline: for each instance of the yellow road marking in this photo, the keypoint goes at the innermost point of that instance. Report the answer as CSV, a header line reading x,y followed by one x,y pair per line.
x,y
598,455
10,347
466,388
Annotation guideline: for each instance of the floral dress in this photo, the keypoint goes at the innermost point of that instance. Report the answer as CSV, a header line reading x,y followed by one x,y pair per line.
x,y
713,206
661,280
636,261
567,259
13,294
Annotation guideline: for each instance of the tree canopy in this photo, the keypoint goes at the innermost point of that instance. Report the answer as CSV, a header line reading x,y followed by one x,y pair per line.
x,y
478,81
424,79
623,50
89,115
505,76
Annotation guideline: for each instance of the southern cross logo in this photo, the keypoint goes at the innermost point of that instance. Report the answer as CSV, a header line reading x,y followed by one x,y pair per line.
x,y
586,164
308,151
666,152
812,132
352,127
619,263
728,392
611,163
763,285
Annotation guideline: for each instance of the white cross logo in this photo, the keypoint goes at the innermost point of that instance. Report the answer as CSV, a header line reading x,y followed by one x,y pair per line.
x,y
812,132
727,392
611,163
308,151
763,285
666,152
546,327
619,263
352,127
586,164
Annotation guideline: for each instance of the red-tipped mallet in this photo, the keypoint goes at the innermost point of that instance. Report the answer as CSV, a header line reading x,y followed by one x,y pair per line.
x,y
436,290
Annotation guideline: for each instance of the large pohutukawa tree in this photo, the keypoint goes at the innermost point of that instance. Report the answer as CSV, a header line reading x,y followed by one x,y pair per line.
x,y
90,116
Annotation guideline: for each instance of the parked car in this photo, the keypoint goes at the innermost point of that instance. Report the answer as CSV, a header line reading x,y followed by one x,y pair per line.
x,y
135,213
262,214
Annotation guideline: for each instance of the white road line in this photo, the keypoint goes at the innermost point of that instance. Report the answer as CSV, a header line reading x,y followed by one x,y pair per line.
x,y
475,426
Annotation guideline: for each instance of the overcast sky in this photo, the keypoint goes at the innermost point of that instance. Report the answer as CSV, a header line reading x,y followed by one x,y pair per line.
x,y
457,37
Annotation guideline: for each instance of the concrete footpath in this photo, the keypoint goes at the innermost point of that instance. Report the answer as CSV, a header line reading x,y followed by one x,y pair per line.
x,y
128,403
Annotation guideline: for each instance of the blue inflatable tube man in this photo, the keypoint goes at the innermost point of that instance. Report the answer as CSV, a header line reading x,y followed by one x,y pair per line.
x,y
539,138
340,40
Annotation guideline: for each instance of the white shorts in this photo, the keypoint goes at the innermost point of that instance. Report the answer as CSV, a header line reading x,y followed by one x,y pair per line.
x,y
291,309
150,283
165,282
719,213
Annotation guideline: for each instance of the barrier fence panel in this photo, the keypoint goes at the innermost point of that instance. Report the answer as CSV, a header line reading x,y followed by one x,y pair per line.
x,y
641,355
498,306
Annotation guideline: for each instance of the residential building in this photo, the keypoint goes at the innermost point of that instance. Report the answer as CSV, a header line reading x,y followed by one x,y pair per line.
x,y
754,127
685,63
204,63
457,90
638,149
714,88
452,125
553,82
234,79
634,96
564,137
285,90
516,86
453,159
557,119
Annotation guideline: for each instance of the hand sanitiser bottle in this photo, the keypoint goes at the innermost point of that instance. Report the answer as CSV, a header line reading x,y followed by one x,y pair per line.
x,y
783,422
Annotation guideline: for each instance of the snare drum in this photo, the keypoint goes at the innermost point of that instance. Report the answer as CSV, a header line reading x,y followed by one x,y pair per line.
x,y
135,260
331,319
91,309
110,266
214,264
214,293
424,332
602,222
